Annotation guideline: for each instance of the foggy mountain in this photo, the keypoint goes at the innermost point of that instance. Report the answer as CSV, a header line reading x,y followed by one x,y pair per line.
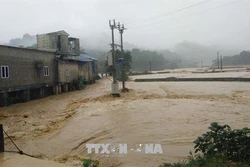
x,y
129,46
94,43
197,52
102,42
26,41
185,54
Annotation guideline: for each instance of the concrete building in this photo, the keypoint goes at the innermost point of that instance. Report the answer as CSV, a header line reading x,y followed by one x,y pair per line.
x,y
25,74
54,41
74,46
52,68
90,65
84,70
59,42
67,52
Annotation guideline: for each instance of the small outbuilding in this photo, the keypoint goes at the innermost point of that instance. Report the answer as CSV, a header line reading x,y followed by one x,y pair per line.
x,y
88,68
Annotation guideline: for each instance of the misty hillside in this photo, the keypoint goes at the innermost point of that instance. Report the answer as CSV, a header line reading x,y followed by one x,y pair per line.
x,y
26,41
184,55
197,52
240,59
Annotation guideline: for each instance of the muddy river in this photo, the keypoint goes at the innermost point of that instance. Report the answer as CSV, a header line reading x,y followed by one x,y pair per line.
x,y
170,114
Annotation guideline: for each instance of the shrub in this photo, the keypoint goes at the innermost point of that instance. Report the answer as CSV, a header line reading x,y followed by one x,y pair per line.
x,y
119,76
234,144
90,163
78,83
97,77
221,147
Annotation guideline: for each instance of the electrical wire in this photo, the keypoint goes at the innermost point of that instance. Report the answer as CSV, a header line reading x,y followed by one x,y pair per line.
x,y
221,6
167,14
19,150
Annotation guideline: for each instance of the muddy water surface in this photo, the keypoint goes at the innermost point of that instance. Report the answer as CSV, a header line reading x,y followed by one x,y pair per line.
x,y
171,114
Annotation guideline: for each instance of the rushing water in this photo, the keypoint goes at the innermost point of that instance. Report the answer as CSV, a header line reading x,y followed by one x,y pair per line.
x,y
170,114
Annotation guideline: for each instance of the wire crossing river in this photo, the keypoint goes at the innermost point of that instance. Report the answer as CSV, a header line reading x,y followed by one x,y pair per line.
x,y
172,115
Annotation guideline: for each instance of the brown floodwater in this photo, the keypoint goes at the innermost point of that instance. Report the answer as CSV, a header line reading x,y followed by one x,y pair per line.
x,y
167,113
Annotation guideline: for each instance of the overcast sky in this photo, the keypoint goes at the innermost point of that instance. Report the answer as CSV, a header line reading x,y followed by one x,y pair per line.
x,y
150,23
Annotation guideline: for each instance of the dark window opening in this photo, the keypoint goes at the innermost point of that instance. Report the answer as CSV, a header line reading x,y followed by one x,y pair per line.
x,y
46,70
5,71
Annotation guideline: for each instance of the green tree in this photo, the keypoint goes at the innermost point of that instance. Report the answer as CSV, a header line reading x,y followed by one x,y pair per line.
x,y
241,59
142,59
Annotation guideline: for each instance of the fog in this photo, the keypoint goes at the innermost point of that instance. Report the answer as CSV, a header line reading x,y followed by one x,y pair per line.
x,y
152,24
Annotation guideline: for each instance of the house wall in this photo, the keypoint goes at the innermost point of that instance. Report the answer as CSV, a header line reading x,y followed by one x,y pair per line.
x,y
67,71
76,49
46,42
96,68
85,70
90,72
23,72
27,79
49,42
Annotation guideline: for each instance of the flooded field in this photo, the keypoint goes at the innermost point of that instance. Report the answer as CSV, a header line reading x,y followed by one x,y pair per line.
x,y
189,74
171,114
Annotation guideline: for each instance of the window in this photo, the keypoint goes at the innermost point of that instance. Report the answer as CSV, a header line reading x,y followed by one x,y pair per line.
x,y
5,71
46,70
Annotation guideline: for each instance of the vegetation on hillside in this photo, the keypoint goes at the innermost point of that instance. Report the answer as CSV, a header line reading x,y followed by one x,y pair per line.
x,y
26,41
159,60
240,59
140,60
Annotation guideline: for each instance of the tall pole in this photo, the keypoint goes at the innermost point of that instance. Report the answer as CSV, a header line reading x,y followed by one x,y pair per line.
x,y
218,59
121,29
114,85
150,66
112,27
221,62
1,139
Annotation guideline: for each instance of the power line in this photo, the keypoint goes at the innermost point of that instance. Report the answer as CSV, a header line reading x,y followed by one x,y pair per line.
x,y
106,36
19,150
221,6
168,14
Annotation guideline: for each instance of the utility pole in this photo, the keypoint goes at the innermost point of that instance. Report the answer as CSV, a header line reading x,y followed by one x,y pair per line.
x,y
1,139
115,86
150,66
218,59
221,62
121,29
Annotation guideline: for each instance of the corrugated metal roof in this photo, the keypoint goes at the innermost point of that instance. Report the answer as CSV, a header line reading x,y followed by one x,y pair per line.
x,y
86,57
85,60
